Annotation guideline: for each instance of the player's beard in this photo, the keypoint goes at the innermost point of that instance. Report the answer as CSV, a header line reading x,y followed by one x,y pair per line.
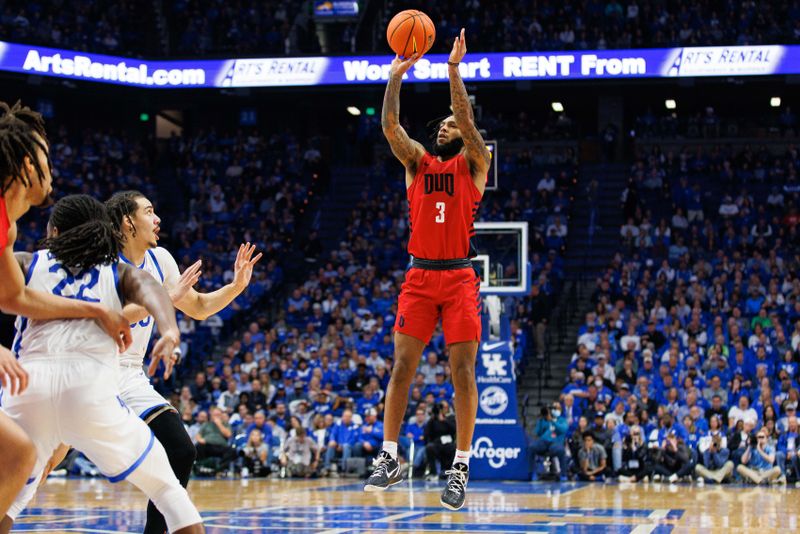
x,y
449,149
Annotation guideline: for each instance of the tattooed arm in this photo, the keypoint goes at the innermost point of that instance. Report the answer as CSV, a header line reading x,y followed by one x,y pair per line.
x,y
475,147
405,149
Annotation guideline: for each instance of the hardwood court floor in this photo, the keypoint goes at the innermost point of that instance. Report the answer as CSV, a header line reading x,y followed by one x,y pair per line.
x,y
340,507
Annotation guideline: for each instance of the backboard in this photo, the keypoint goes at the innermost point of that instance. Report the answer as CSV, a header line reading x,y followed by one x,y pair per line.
x,y
502,259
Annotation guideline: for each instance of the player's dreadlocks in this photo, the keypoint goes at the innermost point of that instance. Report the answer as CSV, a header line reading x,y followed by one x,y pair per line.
x,y
123,205
86,237
18,128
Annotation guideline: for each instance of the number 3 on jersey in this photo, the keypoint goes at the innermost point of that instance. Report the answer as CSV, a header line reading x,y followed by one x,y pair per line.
x,y
440,207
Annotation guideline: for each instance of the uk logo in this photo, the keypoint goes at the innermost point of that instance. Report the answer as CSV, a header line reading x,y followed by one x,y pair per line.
x,y
495,364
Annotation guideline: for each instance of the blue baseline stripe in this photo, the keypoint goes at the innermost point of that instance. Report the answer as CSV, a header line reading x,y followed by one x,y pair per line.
x,y
155,262
122,476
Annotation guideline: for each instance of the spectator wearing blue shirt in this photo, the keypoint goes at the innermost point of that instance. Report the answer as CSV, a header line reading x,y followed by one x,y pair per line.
x,y
788,442
371,437
341,376
414,432
754,302
260,423
550,438
758,461
621,431
441,390
788,365
647,369
344,436
571,411
322,403
713,448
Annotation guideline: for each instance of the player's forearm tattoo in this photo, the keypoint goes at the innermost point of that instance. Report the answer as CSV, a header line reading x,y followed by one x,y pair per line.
x,y
402,146
462,112
391,103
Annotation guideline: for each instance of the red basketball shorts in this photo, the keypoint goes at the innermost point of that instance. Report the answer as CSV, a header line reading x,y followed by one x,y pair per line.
x,y
452,295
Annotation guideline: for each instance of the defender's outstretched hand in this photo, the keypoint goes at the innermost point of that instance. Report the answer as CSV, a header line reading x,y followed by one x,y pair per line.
x,y
243,268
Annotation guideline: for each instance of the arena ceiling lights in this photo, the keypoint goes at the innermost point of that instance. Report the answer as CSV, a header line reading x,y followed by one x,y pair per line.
x,y
354,70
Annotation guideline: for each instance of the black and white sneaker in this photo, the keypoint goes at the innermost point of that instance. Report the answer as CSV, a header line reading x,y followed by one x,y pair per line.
x,y
387,473
455,493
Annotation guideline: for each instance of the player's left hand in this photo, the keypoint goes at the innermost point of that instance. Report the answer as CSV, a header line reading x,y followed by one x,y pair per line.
x,y
164,351
459,49
243,268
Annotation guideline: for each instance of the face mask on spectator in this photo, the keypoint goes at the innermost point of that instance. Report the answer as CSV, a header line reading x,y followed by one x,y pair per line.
x,y
555,413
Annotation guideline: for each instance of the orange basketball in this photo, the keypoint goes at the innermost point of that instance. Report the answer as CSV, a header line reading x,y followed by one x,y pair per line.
x,y
410,31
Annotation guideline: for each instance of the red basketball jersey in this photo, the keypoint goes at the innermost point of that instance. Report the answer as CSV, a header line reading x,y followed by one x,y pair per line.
x,y
4,225
443,202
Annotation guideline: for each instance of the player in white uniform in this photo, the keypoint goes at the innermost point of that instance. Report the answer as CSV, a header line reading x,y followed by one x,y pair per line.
x,y
135,218
25,181
73,396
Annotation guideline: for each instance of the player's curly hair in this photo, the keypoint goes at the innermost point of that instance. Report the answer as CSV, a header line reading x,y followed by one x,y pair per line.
x,y
19,126
122,205
86,237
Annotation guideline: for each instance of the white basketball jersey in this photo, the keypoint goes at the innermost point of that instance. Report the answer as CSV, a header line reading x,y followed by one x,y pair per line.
x,y
75,336
160,265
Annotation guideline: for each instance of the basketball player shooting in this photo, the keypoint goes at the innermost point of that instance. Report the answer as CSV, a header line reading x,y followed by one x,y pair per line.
x,y
444,190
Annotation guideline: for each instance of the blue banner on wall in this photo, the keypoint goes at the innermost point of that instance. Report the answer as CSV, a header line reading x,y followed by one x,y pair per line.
x,y
476,67
499,445
335,8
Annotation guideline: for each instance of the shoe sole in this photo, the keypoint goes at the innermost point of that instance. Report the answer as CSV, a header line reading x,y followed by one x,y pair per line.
x,y
451,507
371,488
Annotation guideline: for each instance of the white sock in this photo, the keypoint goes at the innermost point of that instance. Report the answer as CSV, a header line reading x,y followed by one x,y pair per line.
x,y
462,457
391,448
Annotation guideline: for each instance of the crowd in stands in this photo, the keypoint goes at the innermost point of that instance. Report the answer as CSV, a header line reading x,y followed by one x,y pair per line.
x,y
688,365
280,27
103,26
708,123
249,27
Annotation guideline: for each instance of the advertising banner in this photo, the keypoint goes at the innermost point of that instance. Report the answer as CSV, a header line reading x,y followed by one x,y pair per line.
x,y
356,70
499,446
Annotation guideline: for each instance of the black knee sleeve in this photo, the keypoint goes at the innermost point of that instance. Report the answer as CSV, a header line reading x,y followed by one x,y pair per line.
x,y
168,429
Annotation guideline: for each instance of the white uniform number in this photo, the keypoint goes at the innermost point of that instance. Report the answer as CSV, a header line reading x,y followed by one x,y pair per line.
x,y
440,217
